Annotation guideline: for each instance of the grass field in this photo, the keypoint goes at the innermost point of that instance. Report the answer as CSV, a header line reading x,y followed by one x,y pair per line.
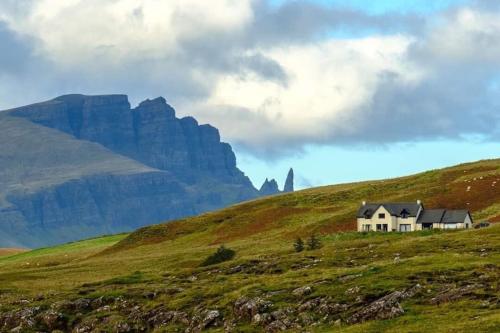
x,y
136,279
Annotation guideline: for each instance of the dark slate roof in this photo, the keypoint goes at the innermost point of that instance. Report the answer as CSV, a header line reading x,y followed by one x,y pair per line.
x,y
442,216
431,216
455,216
395,209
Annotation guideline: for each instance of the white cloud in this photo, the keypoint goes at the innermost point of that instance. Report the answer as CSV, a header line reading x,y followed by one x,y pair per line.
x,y
270,79
328,84
76,32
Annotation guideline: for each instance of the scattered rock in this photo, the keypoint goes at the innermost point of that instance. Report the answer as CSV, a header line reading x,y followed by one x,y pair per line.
x,y
349,277
122,327
245,308
386,307
453,294
323,306
204,320
212,317
53,320
303,291
22,320
353,290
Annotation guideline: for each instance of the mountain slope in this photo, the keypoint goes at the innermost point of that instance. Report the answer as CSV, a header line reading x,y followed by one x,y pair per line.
x,y
472,186
429,281
80,166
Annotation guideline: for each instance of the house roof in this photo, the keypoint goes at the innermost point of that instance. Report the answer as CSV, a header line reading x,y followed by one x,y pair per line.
x,y
455,216
395,209
431,216
443,216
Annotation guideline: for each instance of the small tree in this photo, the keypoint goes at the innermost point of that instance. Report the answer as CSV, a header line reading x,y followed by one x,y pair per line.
x,y
313,243
222,254
298,245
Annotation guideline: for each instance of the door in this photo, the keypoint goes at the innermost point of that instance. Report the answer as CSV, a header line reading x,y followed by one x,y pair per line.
x,y
405,227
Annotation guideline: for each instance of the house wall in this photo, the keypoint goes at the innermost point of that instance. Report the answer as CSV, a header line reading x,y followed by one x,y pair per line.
x,y
468,222
391,221
409,220
436,225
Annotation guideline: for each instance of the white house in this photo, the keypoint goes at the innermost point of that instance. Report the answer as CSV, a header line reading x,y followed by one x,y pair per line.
x,y
409,216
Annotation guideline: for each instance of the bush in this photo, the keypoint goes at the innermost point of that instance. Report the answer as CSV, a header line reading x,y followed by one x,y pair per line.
x,y
298,245
222,254
313,243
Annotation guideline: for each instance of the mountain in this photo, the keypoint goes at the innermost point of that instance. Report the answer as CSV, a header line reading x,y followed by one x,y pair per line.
x,y
153,279
79,166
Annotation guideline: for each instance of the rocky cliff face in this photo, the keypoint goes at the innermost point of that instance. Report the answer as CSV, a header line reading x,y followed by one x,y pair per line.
x,y
270,187
79,166
289,186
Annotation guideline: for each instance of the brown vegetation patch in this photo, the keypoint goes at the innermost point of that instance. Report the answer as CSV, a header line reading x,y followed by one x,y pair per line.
x,y
472,194
258,222
11,251
496,219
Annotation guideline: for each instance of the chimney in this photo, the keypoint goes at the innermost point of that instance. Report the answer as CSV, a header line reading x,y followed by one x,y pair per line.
x,y
364,203
419,202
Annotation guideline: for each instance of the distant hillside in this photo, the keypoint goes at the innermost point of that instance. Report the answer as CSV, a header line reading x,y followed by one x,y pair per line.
x,y
473,186
153,279
79,166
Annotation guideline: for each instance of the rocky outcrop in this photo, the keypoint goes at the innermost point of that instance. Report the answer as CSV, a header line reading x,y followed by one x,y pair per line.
x,y
269,187
289,186
80,166
387,307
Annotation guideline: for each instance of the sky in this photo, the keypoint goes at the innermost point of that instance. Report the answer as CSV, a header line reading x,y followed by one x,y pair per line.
x,y
340,90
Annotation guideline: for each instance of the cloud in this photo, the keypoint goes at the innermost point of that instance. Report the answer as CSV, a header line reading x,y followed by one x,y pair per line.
x,y
273,79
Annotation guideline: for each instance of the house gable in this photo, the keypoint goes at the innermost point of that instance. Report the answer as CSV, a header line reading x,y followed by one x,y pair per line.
x,y
408,209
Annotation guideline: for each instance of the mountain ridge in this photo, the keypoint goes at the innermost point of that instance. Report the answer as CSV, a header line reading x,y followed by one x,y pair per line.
x,y
69,164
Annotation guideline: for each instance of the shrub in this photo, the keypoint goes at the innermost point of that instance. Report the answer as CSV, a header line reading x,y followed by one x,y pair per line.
x,y
313,243
298,245
222,254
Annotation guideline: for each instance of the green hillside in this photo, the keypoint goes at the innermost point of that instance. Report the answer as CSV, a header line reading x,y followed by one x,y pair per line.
x,y
152,279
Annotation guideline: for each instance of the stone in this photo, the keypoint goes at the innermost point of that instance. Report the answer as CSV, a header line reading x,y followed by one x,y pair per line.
x,y
453,294
212,317
387,307
247,308
122,327
53,320
302,291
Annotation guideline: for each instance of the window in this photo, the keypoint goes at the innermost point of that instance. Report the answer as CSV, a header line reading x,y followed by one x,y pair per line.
x,y
381,216
405,227
405,213
450,226
366,227
381,227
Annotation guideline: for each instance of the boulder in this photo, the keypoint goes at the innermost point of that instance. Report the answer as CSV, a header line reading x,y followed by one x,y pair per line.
x,y
302,291
247,308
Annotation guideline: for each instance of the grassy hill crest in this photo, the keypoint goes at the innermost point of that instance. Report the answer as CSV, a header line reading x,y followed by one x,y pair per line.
x,y
153,279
